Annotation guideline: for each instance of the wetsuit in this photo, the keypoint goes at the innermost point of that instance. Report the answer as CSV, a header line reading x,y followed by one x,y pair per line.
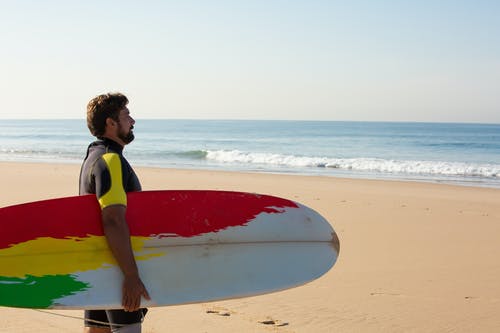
x,y
108,175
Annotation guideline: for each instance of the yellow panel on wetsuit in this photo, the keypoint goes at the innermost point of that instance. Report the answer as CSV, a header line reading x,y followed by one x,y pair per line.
x,y
116,194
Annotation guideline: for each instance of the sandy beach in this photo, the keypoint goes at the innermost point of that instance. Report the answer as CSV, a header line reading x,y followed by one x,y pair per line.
x,y
415,257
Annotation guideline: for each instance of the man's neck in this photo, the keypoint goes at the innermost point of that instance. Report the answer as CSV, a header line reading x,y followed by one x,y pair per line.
x,y
112,144
116,140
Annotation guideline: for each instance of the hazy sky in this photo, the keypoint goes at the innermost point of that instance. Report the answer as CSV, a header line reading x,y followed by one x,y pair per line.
x,y
313,60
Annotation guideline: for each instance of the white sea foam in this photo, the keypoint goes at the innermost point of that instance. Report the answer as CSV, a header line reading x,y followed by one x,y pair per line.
x,y
358,164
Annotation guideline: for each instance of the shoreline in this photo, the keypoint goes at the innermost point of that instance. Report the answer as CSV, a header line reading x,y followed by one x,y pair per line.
x,y
414,256
343,176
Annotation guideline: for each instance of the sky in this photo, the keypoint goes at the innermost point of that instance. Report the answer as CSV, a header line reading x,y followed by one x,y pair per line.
x,y
436,61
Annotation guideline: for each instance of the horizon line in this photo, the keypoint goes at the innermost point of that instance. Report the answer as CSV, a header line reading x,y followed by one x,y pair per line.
x,y
277,120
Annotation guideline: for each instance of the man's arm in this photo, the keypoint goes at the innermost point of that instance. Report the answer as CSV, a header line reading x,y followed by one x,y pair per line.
x,y
118,237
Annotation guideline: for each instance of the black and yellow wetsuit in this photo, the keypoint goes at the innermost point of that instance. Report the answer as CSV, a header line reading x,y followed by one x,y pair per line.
x,y
108,175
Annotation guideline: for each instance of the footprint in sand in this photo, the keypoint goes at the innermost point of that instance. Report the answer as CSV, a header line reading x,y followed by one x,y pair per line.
x,y
220,311
273,322
223,313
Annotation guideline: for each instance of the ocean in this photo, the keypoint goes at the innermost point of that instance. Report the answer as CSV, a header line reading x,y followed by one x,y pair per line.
x,y
455,153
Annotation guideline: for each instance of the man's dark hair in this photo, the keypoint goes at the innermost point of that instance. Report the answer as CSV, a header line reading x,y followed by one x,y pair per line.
x,y
102,107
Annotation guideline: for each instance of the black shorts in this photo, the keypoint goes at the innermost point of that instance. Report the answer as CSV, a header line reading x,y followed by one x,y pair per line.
x,y
107,318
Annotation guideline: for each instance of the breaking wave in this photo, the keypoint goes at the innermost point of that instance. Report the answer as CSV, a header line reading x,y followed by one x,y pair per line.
x,y
357,164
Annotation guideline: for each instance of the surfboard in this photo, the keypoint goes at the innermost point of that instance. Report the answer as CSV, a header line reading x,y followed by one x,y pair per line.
x,y
190,247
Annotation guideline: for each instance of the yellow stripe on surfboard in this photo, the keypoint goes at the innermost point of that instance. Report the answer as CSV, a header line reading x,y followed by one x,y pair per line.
x,y
51,256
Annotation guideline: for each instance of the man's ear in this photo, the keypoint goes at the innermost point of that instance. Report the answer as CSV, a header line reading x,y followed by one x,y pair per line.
x,y
110,122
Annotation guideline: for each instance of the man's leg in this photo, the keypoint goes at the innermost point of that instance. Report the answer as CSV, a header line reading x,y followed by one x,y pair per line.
x,y
95,322
126,322
132,328
96,330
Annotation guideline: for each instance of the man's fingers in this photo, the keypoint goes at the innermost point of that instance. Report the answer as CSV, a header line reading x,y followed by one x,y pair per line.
x,y
132,293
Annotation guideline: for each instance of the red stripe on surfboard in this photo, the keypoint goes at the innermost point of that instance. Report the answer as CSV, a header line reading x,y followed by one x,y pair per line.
x,y
182,213
192,213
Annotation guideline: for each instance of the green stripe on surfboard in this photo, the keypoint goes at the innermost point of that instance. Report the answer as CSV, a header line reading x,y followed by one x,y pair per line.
x,y
38,291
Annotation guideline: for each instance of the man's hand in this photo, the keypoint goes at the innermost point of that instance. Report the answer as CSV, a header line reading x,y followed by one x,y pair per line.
x,y
133,290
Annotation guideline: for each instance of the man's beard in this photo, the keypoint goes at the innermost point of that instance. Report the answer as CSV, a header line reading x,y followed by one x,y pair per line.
x,y
127,137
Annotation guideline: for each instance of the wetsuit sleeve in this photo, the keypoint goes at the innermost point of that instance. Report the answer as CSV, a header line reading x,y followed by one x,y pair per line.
x,y
109,181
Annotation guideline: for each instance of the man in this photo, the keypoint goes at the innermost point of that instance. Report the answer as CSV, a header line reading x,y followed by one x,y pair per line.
x,y
108,175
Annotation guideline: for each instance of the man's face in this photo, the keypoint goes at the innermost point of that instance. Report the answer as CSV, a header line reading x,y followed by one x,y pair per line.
x,y
125,126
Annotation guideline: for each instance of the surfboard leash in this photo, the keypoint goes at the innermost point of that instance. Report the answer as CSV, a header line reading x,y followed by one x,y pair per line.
x,y
84,319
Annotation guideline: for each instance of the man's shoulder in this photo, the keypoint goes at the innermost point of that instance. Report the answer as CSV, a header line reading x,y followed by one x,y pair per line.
x,y
97,147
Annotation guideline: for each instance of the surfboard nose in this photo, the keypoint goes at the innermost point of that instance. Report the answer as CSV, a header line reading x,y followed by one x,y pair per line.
x,y
335,242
